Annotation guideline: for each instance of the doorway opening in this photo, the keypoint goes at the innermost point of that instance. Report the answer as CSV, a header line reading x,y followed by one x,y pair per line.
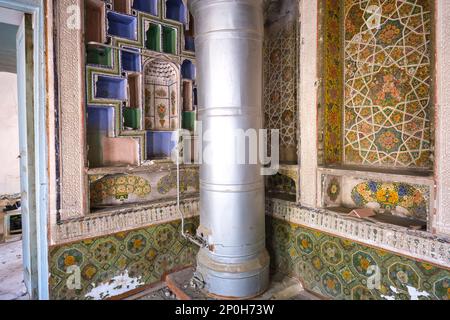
x,y
17,186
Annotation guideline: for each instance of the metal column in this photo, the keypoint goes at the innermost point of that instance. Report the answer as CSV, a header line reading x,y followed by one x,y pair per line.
x,y
229,35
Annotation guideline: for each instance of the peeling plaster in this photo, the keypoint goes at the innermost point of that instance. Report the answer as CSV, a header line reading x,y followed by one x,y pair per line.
x,y
414,293
116,286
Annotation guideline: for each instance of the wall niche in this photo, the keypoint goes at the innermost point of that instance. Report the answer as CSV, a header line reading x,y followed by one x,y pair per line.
x,y
136,94
377,84
375,134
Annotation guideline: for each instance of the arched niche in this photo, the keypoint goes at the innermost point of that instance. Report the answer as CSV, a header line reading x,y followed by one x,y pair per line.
x,y
176,10
161,95
188,70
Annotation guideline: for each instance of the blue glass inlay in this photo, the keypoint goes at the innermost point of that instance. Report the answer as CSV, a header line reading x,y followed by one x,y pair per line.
x,y
149,6
121,25
160,144
131,61
176,10
111,88
188,70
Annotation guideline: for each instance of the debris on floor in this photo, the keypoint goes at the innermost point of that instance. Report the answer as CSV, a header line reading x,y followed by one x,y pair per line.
x,y
12,286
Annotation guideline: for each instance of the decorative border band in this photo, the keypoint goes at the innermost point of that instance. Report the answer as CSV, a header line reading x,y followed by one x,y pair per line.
x,y
416,244
126,219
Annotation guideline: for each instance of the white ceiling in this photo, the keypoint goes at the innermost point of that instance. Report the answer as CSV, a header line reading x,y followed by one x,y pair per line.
x,y
9,22
9,16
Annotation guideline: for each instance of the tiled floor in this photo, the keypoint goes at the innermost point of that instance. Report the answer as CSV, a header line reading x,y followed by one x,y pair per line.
x,y
11,272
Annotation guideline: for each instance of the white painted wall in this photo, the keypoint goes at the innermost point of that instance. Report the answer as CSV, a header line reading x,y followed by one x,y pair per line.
x,y
9,135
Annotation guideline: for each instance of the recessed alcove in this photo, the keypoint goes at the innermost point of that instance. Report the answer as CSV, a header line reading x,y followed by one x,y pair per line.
x,y
160,144
188,70
189,43
99,124
153,37
377,89
134,90
147,6
161,95
100,56
375,116
95,18
131,118
131,62
108,87
176,10
122,26
169,40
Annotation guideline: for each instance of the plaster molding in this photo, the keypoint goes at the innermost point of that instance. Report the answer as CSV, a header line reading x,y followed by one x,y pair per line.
x,y
441,222
120,220
415,244
308,102
71,116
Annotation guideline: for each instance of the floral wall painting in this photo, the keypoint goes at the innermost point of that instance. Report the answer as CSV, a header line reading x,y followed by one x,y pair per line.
x,y
387,79
399,198
333,189
408,198
280,88
143,187
161,96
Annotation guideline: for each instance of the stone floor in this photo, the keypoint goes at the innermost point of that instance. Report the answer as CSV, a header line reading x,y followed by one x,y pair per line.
x,y
11,273
179,286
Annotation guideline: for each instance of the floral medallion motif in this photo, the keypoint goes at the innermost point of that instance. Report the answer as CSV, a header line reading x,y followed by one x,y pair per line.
x,y
442,289
362,261
390,196
69,258
136,244
334,189
402,275
331,284
304,243
119,187
331,253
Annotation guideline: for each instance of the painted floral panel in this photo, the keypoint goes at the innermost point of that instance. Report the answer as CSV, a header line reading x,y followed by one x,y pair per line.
x,y
388,83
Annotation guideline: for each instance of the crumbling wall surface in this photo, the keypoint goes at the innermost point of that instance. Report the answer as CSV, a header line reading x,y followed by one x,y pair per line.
x,y
113,265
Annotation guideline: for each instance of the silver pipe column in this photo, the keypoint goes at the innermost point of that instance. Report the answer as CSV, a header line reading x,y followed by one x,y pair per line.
x,y
228,41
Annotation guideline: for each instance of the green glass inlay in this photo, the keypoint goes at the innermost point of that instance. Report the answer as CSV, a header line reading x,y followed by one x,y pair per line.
x,y
153,38
169,40
188,120
99,56
132,118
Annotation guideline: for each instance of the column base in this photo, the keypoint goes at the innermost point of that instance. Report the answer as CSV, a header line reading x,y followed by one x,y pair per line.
x,y
242,280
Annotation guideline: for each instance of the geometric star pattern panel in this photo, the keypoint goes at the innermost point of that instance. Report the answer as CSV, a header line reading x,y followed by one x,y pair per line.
x,y
387,79
280,88
342,269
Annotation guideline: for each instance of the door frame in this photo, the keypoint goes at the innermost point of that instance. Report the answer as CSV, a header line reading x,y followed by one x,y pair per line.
x,y
41,170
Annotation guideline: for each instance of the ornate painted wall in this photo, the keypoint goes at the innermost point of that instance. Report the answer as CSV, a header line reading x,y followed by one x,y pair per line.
x,y
341,269
377,83
114,264
388,83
